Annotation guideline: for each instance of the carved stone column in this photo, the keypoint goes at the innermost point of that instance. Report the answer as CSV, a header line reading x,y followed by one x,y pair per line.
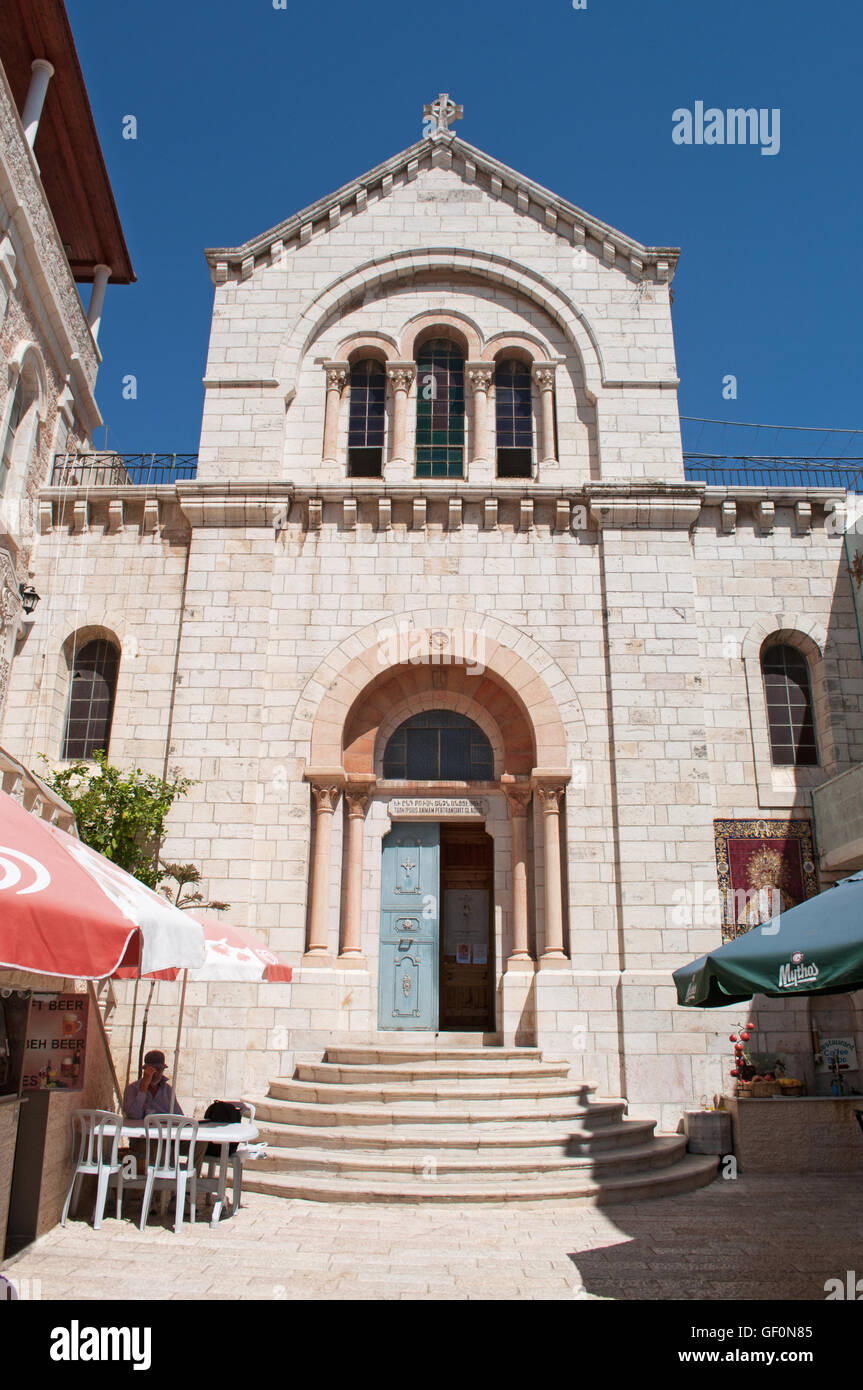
x,y
518,795
10,618
480,375
326,788
400,376
550,787
337,375
543,375
357,795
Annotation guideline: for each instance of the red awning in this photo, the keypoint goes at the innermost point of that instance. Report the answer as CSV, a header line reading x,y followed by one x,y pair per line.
x,y
68,912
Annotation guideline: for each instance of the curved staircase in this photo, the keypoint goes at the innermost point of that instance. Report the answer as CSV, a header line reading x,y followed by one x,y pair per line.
x,y
406,1123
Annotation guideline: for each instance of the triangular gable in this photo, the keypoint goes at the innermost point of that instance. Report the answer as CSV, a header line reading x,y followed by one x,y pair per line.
x,y
445,150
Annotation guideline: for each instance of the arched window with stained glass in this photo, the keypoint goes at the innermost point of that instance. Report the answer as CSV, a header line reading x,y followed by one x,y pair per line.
x,y
440,410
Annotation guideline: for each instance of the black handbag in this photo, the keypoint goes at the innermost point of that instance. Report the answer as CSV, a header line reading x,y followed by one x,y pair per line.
x,y
225,1113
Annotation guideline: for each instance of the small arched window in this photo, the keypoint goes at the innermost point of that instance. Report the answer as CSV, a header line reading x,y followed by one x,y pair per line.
x,y
440,410
22,426
788,696
439,746
514,416
91,699
9,437
366,419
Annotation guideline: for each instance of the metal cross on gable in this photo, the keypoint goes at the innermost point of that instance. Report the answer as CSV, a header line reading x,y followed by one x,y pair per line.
x,y
443,110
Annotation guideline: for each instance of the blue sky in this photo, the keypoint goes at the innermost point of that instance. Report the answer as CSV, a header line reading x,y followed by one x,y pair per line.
x,y
247,113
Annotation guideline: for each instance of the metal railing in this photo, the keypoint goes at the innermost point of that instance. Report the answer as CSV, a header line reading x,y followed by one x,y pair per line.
x,y
122,470
754,470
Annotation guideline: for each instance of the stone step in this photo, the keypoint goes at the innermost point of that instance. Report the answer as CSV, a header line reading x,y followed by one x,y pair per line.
x,y
371,1074
559,1109
525,1139
658,1153
690,1172
487,1089
374,1054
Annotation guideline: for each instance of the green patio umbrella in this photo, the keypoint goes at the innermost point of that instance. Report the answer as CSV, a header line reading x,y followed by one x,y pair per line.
x,y
814,948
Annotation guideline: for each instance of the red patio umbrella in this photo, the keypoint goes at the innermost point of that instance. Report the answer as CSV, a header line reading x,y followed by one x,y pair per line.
x,y
68,912
231,956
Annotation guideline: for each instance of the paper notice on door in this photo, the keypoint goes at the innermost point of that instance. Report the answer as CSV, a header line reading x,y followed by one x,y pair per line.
x,y
480,954
462,953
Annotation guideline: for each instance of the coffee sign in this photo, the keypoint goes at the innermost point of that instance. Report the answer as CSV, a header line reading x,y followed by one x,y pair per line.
x,y
437,808
843,1049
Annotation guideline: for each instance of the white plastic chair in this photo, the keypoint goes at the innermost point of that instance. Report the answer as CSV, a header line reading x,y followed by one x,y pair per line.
x,y
170,1163
97,1133
213,1178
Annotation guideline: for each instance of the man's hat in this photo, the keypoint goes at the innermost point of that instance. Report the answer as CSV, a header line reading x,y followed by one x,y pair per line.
x,y
155,1059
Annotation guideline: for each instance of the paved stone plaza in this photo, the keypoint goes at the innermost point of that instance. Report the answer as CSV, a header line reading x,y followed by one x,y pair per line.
x,y
769,1238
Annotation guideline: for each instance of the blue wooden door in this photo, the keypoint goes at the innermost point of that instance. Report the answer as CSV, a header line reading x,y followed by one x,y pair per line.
x,y
410,873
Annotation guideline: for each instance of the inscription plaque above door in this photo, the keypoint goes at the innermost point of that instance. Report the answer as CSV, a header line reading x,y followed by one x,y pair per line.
x,y
437,808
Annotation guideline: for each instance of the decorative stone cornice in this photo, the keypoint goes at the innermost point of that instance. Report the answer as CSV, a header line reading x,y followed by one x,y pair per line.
x,y
233,504
421,503
477,169
618,506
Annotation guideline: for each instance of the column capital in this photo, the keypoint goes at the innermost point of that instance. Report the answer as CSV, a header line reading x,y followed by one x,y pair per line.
x,y
543,374
518,794
326,788
337,375
358,793
401,374
550,785
480,375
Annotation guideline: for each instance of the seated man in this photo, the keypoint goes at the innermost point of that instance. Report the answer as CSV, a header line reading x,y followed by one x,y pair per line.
x,y
151,1094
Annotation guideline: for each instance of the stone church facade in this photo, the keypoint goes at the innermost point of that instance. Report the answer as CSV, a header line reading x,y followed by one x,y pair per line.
x,y
469,677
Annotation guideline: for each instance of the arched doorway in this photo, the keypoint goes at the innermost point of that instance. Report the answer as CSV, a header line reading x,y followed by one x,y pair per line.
x,y
446,694
437,948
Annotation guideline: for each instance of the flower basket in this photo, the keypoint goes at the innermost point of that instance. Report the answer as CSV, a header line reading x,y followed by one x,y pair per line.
x,y
744,1089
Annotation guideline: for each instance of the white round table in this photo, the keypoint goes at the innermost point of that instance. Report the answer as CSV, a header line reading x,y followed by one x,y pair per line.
x,y
212,1133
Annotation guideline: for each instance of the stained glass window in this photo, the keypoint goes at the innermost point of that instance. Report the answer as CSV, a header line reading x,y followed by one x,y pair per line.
x,y
440,410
